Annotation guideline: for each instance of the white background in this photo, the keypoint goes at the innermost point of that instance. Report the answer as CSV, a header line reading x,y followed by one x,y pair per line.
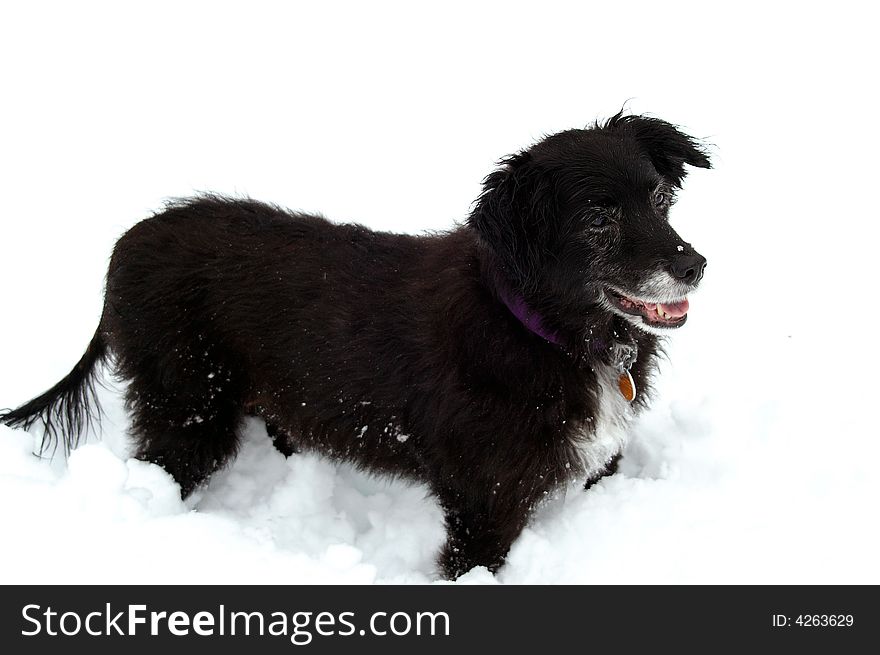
x,y
758,462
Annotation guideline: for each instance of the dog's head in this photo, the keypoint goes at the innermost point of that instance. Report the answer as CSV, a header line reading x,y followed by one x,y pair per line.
x,y
581,220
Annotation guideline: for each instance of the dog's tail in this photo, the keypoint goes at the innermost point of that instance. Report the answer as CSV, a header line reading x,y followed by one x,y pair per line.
x,y
70,407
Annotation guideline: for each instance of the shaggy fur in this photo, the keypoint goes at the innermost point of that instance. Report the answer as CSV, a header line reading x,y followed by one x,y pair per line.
x,y
396,352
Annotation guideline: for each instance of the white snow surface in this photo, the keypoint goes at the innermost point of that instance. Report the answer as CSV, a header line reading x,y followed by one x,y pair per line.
x,y
758,460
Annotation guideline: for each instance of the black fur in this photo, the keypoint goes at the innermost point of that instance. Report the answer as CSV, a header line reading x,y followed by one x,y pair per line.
x,y
69,408
396,352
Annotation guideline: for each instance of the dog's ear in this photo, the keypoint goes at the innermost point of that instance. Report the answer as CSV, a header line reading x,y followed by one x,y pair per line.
x,y
514,214
668,147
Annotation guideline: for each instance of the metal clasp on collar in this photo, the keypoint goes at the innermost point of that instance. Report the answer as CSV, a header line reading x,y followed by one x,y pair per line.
x,y
624,356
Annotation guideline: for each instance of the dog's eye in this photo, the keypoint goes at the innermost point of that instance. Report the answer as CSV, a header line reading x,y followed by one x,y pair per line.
x,y
599,220
662,199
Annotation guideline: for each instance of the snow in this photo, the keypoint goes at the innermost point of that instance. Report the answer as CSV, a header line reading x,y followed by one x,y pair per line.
x,y
757,462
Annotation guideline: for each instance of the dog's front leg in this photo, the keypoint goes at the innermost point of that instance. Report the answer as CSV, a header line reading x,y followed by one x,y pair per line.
x,y
610,469
480,531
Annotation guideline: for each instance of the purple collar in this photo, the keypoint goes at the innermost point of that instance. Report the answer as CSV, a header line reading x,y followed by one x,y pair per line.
x,y
623,351
528,317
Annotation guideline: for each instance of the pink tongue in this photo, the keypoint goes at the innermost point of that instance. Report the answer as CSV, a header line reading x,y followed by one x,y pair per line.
x,y
677,309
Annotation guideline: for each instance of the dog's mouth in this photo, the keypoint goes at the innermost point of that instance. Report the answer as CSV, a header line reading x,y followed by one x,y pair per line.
x,y
663,315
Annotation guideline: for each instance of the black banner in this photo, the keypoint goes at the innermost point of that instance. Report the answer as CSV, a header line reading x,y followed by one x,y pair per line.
x,y
431,619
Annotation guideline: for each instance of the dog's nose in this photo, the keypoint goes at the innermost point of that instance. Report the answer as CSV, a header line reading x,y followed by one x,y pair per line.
x,y
689,268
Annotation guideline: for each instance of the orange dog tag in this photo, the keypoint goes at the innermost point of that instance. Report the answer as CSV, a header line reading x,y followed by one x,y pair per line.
x,y
627,386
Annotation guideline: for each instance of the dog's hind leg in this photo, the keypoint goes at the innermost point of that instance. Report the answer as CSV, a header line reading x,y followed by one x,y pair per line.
x,y
185,420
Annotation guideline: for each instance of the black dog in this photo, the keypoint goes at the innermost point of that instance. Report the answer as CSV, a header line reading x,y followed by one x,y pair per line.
x,y
493,362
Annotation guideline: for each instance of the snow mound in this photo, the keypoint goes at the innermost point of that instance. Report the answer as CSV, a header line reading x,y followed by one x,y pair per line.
x,y
714,487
